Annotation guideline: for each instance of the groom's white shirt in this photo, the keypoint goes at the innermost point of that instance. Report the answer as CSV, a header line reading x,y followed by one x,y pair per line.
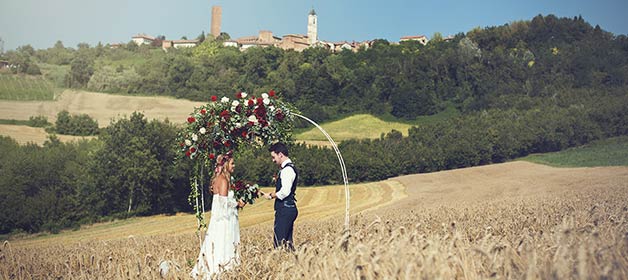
x,y
287,176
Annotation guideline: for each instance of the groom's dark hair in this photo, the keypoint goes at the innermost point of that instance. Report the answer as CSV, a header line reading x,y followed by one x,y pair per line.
x,y
279,148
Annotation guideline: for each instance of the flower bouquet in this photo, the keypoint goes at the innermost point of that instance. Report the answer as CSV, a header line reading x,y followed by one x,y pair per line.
x,y
247,192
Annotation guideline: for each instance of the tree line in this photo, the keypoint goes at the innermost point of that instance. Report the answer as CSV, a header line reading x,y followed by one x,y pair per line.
x,y
131,169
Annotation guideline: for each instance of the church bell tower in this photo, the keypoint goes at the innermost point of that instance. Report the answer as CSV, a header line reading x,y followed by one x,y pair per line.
x,y
312,30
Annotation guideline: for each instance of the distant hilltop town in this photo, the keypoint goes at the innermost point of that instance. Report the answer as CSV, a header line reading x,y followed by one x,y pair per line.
x,y
265,38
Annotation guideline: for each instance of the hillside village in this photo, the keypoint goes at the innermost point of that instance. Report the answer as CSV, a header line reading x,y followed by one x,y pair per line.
x,y
265,38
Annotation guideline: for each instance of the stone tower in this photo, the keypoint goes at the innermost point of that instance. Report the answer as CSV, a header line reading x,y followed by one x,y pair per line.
x,y
312,30
216,18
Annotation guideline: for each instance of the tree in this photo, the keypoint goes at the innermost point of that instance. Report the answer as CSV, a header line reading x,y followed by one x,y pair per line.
x,y
134,167
201,37
81,70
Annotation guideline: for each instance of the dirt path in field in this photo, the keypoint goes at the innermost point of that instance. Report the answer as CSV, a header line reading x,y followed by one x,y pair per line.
x,y
25,134
504,181
100,106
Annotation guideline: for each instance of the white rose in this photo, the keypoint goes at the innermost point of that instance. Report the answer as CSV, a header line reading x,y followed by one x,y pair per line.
x,y
235,103
238,125
243,94
194,137
266,101
188,142
253,118
202,130
224,99
264,95
271,108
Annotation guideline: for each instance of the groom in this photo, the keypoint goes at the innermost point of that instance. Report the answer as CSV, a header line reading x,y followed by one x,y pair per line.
x,y
285,202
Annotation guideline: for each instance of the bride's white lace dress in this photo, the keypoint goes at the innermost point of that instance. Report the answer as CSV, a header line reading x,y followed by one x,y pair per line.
x,y
219,251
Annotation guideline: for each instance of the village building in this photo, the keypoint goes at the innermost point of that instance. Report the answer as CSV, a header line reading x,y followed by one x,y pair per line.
x,y
116,45
166,44
143,39
420,38
4,64
298,42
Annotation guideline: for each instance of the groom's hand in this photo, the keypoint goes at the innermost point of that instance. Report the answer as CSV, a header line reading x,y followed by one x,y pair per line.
x,y
266,195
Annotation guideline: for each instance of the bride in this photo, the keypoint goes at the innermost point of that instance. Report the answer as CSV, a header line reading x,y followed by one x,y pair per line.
x,y
219,251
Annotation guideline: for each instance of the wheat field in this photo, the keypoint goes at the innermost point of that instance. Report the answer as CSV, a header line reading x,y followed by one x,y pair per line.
x,y
515,220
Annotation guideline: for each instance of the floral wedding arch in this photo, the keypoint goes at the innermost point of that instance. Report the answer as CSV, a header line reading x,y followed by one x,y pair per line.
x,y
224,124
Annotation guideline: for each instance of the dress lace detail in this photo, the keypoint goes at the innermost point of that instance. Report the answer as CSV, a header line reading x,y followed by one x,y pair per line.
x,y
219,251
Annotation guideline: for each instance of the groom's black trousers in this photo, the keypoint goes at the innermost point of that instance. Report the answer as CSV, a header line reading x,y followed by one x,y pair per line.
x,y
284,225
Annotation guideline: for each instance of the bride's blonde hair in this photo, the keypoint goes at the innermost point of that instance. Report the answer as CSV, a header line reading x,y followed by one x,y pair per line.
x,y
221,161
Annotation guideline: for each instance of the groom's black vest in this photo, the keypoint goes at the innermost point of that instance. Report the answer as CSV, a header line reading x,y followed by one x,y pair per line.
x,y
289,201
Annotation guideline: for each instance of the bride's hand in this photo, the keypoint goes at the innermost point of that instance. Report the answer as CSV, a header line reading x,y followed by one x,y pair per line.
x,y
241,203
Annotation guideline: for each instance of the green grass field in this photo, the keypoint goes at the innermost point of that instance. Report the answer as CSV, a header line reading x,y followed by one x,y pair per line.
x,y
354,127
14,122
367,126
54,73
607,152
24,87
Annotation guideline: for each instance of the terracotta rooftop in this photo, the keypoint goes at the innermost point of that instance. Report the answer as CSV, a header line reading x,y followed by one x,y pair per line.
x,y
413,37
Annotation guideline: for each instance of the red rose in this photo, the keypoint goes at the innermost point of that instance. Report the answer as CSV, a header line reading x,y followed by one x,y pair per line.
x,y
191,119
182,144
203,111
279,115
212,156
260,101
271,93
187,153
227,143
260,112
244,133
214,98
225,114
192,150
239,95
251,102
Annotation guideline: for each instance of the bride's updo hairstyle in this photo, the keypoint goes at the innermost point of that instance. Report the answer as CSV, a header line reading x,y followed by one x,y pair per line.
x,y
221,160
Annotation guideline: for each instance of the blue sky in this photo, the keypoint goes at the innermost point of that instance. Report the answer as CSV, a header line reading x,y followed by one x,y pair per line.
x,y
41,23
